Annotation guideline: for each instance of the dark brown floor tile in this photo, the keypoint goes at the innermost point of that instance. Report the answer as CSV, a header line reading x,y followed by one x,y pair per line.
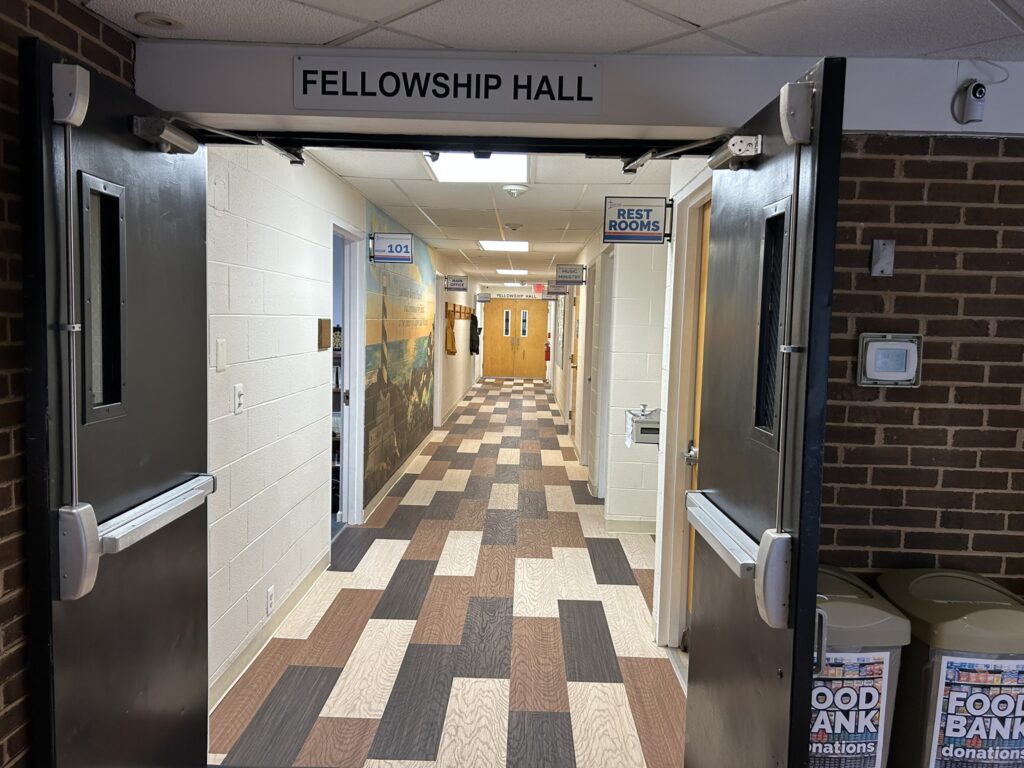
x,y
471,514
569,454
609,562
500,527
566,530
381,515
443,614
555,476
428,541
349,547
581,493
486,647
533,538
532,504
530,446
538,666
403,485
339,742
404,595
587,643
540,740
484,466
495,572
531,480
659,708
434,470
645,580
331,643
429,448
236,709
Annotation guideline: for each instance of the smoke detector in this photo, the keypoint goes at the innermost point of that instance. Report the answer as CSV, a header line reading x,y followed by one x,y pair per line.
x,y
158,20
515,190
513,227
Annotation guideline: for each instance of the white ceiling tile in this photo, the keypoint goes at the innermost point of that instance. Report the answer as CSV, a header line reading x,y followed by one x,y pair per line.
x,y
435,195
697,44
375,10
867,27
389,39
586,220
552,219
577,235
576,169
257,21
1006,48
556,248
654,172
456,217
566,26
380,191
410,216
473,233
593,197
535,234
704,13
540,197
371,164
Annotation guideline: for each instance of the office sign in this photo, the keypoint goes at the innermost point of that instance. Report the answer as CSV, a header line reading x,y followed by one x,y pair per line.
x,y
848,711
488,86
483,298
635,219
570,274
456,283
555,289
387,248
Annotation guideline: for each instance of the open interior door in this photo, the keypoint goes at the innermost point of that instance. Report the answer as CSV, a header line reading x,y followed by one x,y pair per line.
x,y
115,281
762,414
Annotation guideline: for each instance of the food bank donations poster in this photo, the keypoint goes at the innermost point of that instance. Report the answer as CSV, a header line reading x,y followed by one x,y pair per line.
x,y
848,711
979,714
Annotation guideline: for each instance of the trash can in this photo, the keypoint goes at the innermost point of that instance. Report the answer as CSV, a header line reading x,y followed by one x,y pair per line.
x,y
962,685
854,692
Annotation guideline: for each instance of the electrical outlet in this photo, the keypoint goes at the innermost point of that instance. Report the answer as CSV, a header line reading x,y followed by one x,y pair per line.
x,y
239,399
270,599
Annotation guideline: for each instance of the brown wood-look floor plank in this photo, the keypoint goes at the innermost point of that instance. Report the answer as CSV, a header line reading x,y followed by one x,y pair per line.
x,y
443,614
485,467
237,708
659,709
645,580
566,530
533,538
495,572
434,470
338,742
381,514
609,562
531,480
486,649
428,540
470,515
538,666
404,596
331,643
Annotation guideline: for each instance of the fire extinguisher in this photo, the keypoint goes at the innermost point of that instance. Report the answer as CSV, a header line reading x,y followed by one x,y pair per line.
x,y
547,351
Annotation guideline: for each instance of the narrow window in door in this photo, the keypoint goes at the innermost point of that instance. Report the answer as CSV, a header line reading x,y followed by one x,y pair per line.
x,y
507,327
525,322
772,260
103,296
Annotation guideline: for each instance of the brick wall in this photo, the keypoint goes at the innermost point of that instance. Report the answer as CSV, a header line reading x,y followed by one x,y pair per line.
x,y
931,476
77,32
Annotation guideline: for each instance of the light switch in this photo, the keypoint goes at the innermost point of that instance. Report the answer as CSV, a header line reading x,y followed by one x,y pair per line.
x,y
883,257
238,401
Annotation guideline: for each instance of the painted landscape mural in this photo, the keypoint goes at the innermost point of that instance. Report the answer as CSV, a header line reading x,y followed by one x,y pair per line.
x,y
399,358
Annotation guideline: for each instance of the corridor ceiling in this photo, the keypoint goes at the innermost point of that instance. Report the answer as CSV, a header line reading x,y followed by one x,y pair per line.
x,y
897,28
558,215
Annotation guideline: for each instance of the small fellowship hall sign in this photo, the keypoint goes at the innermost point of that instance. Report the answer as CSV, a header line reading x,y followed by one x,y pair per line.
x,y
340,83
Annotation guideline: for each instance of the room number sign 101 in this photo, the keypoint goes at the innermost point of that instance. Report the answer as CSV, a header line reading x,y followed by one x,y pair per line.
x,y
391,248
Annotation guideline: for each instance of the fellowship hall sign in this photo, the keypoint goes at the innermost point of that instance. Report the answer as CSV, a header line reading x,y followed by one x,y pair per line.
x,y
339,83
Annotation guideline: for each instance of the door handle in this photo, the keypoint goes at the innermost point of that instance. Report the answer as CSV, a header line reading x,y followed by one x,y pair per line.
x,y
771,578
820,641
692,455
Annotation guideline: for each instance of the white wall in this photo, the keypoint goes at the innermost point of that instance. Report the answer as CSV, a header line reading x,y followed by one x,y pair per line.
x,y
458,371
269,231
634,378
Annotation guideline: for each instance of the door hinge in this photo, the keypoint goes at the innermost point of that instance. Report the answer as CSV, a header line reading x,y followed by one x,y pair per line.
x,y
692,455
346,397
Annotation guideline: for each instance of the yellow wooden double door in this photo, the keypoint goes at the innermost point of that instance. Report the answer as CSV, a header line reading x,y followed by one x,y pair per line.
x,y
515,332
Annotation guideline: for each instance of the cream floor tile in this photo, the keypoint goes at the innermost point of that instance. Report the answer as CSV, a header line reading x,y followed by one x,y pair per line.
x,y
576,471
465,419
455,480
499,418
629,621
565,441
438,435
552,459
639,549
417,464
421,492
475,732
535,593
478,400
529,415
512,431
574,574
491,438
486,408
460,553
469,446
559,498
212,759
592,522
508,456
559,421
602,727
378,564
307,614
365,684
504,496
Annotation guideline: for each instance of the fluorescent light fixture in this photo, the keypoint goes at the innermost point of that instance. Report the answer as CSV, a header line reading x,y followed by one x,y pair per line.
x,y
466,167
513,285
512,271
509,246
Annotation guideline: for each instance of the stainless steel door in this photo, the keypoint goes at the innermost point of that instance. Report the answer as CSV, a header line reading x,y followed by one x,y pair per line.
x,y
115,274
762,423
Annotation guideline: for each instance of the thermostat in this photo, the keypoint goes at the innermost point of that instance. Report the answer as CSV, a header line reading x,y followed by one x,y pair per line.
x,y
889,360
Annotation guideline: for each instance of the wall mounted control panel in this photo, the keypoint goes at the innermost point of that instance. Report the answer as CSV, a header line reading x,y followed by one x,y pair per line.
x,y
889,360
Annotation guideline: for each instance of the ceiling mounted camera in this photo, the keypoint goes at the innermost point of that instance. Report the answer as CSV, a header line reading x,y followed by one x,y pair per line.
x,y
969,102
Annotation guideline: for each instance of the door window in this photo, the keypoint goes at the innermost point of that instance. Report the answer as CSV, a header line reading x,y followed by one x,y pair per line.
x,y
772,299
507,325
524,323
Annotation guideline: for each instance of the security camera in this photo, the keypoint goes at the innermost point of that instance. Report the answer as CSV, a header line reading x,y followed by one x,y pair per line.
x,y
971,102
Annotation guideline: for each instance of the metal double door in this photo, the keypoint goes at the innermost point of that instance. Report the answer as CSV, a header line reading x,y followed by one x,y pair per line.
x,y
115,276
753,627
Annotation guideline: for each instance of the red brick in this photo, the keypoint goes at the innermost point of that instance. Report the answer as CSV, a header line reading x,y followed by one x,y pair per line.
x,y
1001,542
887,558
961,193
999,418
940,499
959,327
934,169
943,457
914,436
882,144
902,517
950,417
937,540
877,167
897,191
1011,502
973,521
987,395
965,238
1006,374
1009,170
870,455
966,146
994,217
904,236
1011,194
997,261
974,479
906,477
953,372
985,438
998,352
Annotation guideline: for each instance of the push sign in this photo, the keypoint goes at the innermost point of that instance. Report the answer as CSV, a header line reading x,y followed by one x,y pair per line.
x,y
635,219
391,249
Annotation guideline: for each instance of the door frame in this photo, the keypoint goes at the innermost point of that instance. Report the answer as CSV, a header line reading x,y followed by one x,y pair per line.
x,y
354,332
672,551
440,332
601,389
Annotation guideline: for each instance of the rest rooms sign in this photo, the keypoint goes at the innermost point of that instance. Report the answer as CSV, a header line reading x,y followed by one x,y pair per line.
x,y
341,83
634,219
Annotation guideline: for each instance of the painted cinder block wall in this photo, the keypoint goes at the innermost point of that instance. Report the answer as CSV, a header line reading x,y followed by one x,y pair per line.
x,y
78,33
931,476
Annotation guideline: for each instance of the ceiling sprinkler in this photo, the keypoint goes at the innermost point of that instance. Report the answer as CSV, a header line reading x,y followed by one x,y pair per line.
x,y
515,190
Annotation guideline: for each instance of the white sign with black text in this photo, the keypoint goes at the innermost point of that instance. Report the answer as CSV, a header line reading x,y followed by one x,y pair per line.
x,y
570,274
635,219
395,84
554,288
483,298
456,283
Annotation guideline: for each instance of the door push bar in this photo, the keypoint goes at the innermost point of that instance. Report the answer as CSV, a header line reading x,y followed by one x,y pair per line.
x,y
766,562
82,541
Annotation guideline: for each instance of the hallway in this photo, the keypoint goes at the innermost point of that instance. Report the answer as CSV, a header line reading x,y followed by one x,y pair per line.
x,y
482,617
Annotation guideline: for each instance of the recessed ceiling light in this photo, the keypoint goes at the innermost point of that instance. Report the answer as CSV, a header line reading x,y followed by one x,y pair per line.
x,y
510,246
513,285
158,20
467,167
512,271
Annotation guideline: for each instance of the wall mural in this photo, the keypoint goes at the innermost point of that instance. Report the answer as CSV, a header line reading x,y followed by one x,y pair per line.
x,y
399,358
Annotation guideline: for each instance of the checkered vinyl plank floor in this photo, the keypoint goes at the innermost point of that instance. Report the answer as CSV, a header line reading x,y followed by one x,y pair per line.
x,y
483,616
